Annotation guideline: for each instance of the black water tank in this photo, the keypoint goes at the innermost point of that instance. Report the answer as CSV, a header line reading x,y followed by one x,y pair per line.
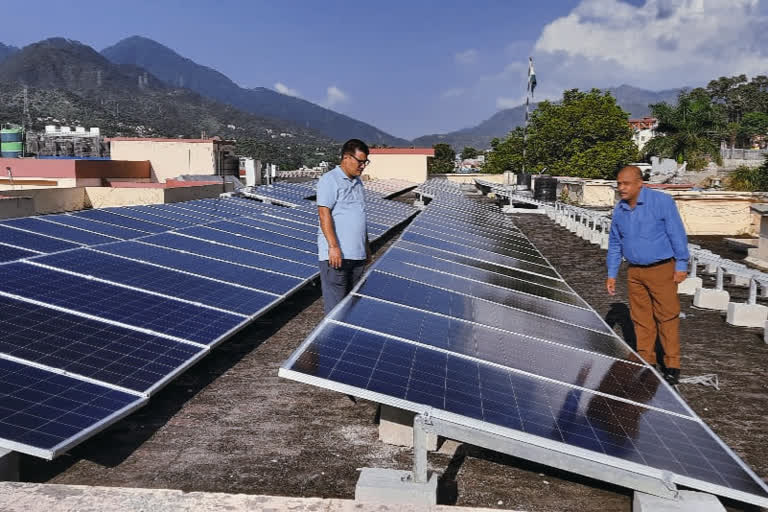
x,y
524,180
545,188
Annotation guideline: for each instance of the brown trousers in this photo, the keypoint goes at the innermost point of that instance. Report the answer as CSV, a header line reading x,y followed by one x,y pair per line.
x,y
655,310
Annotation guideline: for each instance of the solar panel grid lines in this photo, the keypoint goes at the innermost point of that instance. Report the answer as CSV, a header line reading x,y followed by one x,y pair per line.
x,y
34,241
10,253
516,244
127,307
517,284
181,212
94,226
268,223
91,277
264,234
164,217
628,396
153,220
40,225
577,317
120,220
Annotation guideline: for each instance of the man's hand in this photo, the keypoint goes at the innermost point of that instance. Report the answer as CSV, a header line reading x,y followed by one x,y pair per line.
x,y
680,276
334,257
610,285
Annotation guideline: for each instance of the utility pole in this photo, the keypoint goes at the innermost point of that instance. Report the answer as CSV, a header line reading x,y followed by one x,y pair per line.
x,y
531,85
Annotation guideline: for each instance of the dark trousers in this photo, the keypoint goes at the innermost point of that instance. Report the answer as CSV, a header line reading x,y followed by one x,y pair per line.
x,y
655,310
336,283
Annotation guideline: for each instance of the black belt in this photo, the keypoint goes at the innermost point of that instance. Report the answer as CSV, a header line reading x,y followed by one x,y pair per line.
x,y
654,264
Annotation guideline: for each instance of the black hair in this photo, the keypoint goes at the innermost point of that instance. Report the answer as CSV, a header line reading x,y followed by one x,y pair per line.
x,y
353,145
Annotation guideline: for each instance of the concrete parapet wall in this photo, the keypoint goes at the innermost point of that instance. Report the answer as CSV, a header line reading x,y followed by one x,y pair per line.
x,y
718,213
103,197
16,207
470,178
53,200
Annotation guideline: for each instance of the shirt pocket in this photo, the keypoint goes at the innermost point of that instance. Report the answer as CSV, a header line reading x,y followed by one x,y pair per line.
x,y
651,229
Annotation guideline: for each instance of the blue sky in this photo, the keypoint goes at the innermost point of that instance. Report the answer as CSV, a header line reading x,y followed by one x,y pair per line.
x,y
417,67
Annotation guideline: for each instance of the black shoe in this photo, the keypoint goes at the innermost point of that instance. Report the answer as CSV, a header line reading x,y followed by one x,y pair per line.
x,y
672,376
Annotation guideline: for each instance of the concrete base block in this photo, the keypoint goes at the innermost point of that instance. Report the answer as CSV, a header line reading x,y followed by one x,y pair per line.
x,y
9,465
596,236
396,427
688,501
419,205
392,486
710,268
711,299
689,286
758,263
604,242
580,230
746,315
736,280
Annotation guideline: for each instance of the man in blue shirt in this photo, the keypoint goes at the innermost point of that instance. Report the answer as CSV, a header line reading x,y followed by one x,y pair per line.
x,y
342,239
647,231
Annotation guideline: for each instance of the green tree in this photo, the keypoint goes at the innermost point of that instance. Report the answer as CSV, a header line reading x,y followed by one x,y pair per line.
x,y
753,123
749,179
506,154
469,152
585,135
688,131
443,161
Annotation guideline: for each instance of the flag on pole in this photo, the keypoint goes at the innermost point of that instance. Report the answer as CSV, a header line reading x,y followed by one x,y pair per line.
x,y
531,76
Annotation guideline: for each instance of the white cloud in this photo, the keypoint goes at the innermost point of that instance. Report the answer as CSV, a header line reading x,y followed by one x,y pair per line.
x,y
466,57
452,93
335,96
506,102
663,43
284,89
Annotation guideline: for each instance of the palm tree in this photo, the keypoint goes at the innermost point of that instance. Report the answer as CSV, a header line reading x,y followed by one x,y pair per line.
x,y
690,130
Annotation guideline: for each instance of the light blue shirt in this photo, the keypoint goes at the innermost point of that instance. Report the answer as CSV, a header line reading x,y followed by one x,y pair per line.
x,y
345,197
649,232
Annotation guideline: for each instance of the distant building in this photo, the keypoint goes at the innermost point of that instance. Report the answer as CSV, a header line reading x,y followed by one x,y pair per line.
x,y
63,141
33,173
408,164
173,157
643,130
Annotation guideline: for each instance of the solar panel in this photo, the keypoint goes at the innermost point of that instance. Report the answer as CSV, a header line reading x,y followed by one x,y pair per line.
x,y
120,220
95,226
232,254
451,326
71,234
131,308
163,216
43,413
33,241
160,280
159,219
96,350
250,244
258,233
271,224
250,277
9,253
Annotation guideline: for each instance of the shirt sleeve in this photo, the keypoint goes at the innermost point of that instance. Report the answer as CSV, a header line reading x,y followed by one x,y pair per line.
x,y
326,194
613,259
676,233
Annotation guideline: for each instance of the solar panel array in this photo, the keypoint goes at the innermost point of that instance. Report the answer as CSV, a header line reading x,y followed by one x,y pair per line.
x,y
464,319
99,309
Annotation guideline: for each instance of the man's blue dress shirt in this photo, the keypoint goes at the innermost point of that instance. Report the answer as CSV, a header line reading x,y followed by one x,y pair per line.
x,y
649,232
345,197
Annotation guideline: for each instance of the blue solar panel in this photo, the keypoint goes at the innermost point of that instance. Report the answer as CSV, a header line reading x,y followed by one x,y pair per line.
x,y
134,308
269,224
258,233
8,253
71,234
270,249
184,213
43,411
32,241
215,269
95,226
516,246
445,302
531,303
163,216
97,350
234,255
631,379
200,211
521,284
482,254
167,223
119,220
160,280
557,412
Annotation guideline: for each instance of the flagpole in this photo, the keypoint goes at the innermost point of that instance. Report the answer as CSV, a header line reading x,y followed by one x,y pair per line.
x,y
530,85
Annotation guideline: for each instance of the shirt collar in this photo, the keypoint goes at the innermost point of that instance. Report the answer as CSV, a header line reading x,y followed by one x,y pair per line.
x,y
342,174
640,199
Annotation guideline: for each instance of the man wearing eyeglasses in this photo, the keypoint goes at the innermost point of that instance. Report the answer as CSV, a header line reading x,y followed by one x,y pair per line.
x,y
342,239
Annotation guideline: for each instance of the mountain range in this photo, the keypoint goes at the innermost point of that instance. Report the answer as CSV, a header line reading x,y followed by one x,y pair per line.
x,y
180,97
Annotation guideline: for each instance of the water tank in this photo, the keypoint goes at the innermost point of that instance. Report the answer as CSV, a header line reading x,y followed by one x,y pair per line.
x,y
11,142
545,188
524,181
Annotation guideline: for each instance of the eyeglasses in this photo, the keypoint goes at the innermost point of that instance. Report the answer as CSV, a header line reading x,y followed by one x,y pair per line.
x,y
360,163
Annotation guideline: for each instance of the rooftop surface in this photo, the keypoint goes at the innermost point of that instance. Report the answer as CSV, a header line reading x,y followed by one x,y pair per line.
x,y
231,425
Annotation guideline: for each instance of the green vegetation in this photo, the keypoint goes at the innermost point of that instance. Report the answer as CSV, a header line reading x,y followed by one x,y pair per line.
x,y
469,152
749,179
585,135
690,130
443,161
